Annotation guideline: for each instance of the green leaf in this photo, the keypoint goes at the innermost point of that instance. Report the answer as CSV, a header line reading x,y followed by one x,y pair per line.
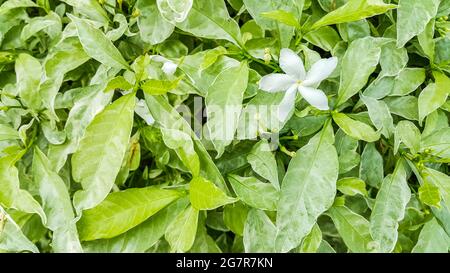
x,y
263,162
90,8
406,132
438,143
8,133
99,157
11,195
56,204
234,217
118,82
121,211
408,81
282,16
439,180
308,189
283,32
98,46
255,193
153,28
28,73
224,104
346,147
432,239
181,232
352,186
12,238
168,117
205,195
389,208
434,95
355,129
412,18
426,40
184,147
312,241
174,10
371,168
259,233
354,230
159,87
210,19
358,63
324,37
354,10
406,106
380,115
143,236
429,194
393,60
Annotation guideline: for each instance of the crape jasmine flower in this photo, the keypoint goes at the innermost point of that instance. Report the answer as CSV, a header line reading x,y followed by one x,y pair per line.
x,y
296,80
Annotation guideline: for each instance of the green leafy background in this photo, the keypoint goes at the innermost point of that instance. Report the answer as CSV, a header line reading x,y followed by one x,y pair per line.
x,y
95,157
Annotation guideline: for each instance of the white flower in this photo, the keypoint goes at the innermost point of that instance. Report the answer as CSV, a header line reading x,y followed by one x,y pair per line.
x,y
169,67
297,79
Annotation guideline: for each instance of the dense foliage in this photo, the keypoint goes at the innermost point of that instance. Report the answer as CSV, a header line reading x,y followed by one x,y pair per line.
x,y
116,133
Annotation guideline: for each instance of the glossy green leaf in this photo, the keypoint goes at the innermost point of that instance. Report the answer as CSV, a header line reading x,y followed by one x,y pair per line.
x,y
29,73
97,46
153,28
380,115
210,19
389,208
432,239
12,238
354,230
354,10
406,132
181,232
97,161
11,195
143,236
263,162
224,99
159,87
282,16
255,193
311,243
359,61
352,186
234,217
413,17
259,233
56,204
371,168
355,129
121,211
303,200
8,133
204,195
429,194
434,95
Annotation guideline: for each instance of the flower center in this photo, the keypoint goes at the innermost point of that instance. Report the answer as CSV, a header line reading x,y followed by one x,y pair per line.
x,y
299,82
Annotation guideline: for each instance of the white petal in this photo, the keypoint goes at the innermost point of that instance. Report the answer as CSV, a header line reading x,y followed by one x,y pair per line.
x,y
287,104
315,97
157,58
292,64
169,68
276,82
321,70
